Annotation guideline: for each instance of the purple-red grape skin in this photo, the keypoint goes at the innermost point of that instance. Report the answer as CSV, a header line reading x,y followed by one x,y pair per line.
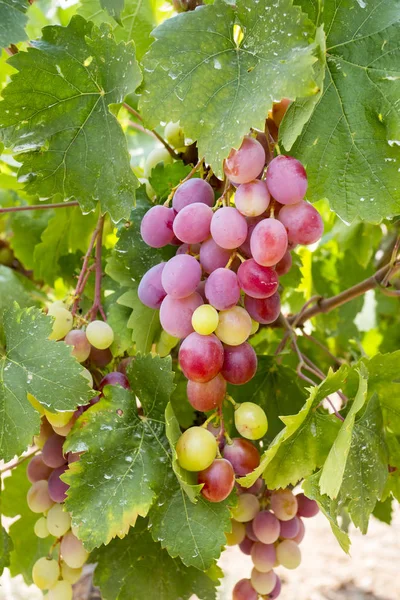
x,y
150,291
191,191
114,378
176,315
206,396
222,289
243,590
284,265
264,310
240,363
192,223
307,508
212,256
302,531
246,546
290,529
246,163
57,488
156,226
100,358
286,180
276,592
266,527
263,556
243,456
257,281
201,357
250,532
37,469
268,242
228,228
302,222
181,276
218,480
52,453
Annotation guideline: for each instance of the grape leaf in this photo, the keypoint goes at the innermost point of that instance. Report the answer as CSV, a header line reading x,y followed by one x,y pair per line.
x,y
143,321
164,177
117,318
12,21
34,364
125,455
14,287
384,510
355,128
6,546
196,73
194,532
27,547
122,574
113,7
55,116
304,442
384,380
181,406
393,480
27,228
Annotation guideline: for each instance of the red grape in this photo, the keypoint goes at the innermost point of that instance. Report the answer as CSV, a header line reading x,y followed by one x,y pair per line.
x,y
156,226
207,396
57,488
268,242
100,358
284,265
150,291
257,281
201,357
228,228
303,223
286,179
114,378
243,456
222,289
218,479
240,363
37,469
290,529
306,508
243,590
265,310
266,527
213,256
245,164
52,453
246,546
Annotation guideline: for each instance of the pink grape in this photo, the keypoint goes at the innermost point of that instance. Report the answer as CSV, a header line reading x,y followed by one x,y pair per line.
x,y
290,529
201,357
37,469
243,456
302,531
38,497
250,532
201,290
265,310
284,504
176,315
245,164
284,265
191,191
263,583
81,346
188,249
52,453
192,223
303,223
257,281
222,289
306,508
114,378
181,276
268,242
150,291
243,590
57,488
263,556
266,527
156,226
286,179
240,363
218,480
206,396
252,199
276,592
212,256
228,228
246,546
124,364
251,223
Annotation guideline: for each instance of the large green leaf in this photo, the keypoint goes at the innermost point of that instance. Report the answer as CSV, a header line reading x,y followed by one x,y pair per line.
x,y
137,568
6,546
27,228
31,363
125,458
384,380
14,287
55,116
351,144
12,21
196,73
143,321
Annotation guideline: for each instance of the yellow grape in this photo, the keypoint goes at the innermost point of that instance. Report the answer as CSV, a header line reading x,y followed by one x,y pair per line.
x,y
100,334
73,552
174,135
38,498
251,421
205,319
69,574
40,528
58,520
61,591
196,449
288,554
254,327
62,324
237,535
246,509
59,419
45,573
234,326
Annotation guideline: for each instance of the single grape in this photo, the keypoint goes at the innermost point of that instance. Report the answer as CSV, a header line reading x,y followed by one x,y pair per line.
x,y
246,546
237,533
69,574
37,469
156,156
59,419
192,223
286,179
234,326
80,344
174,135
62,324
205,319
150,291
243,590
240,363
263,583
212,256
193,191
246,509
45,432
57,488
257,281
284,265
266,527
228,228
254,327
302,222
61,591
52,453
181,276
268,242
58,521
276,592
245,164
252,199
156,227
263,556
222,289
201,357
250,532
73,552
207,396
45,573
40,528
265,310
251,421
288,554
196,449
114,378
100,358
279,109
100,334
176,315
302,531
218,480
284,504
306,507
290,529
243,456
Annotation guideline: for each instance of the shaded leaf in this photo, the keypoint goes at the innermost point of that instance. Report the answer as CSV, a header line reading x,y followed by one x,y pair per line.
x,y
13,20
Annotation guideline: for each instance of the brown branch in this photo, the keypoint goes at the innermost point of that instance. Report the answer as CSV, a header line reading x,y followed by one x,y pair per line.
x,y
11,209
97,306
132,111
12,465
151,132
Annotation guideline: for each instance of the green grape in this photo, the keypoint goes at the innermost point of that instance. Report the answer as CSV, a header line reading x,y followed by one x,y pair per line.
x,y
69,574
254,327
205,319
234,326
38,498
45,573
196,449
174,135
288,554
166,343
100,334
59,419
58,521
73,552
246,509
251,421
158,155
61,591
237,535
41,530
62,324
36,404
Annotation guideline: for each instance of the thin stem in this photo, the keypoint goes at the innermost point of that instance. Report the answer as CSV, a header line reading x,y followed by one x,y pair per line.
x,y
231,400
19,461
132,111
335,412
97,306
151,132
172,152
140,127
210,418
230,261
11,209
315,341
